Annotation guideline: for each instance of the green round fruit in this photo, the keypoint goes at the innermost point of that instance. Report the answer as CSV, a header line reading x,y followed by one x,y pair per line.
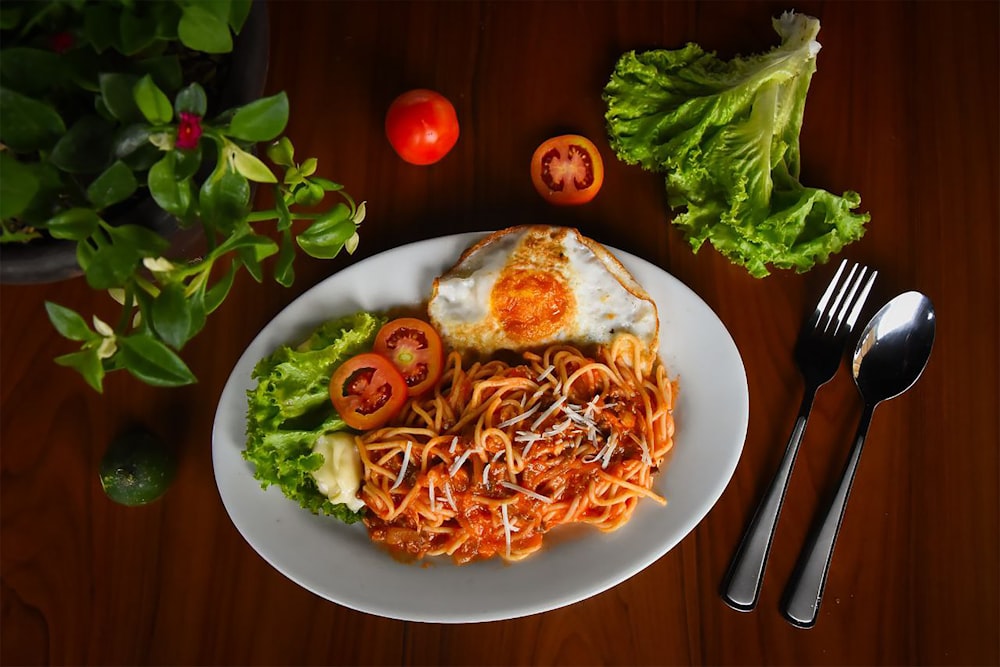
x,y
137,468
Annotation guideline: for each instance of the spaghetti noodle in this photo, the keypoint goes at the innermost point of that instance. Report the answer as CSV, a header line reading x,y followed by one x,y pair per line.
x,y
499,454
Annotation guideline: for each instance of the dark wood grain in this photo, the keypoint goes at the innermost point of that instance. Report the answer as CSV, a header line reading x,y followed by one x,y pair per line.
x,y
903,108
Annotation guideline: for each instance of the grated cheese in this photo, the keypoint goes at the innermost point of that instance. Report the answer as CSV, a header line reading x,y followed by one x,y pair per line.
x,y
519,418
402,468
527,492
430,491
486,474
451,501
458,462
545,373
454,444
548,413
646,458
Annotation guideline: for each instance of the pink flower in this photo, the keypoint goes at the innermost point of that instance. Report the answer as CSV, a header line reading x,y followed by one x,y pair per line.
x,y
188,131
61,42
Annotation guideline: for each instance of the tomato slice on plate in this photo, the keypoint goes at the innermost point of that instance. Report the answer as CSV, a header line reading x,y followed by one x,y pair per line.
x,y
415,348
367,391
567,169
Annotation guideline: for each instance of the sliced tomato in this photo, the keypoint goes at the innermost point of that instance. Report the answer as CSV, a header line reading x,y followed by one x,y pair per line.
x,y
567,169
415,348
367,391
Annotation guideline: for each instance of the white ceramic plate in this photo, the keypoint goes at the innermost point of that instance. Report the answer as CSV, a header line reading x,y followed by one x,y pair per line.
x,y
338,562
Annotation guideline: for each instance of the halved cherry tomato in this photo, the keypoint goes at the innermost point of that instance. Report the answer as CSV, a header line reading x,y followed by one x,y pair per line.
x,y
367,391
567,169
415,348
422,126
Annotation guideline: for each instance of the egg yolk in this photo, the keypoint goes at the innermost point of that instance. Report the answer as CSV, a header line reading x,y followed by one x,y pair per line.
x,y
531,305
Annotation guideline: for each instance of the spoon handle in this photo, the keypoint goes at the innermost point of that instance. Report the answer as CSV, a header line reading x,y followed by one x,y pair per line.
x,y
805,589
741,588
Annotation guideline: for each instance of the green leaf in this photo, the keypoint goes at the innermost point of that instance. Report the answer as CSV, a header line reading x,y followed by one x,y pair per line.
x,y
116,184
167,14
308,194
224,198
153,362
196,307
131,145
202,29
172,315
171,194
86,148
215,295
192,99
281,152
33,72
187,162
262,246
165,70
116,91
252,167
18,186
101,27
137,31
74,224
144,240
152,102
325,238
111,266
252,263
239,10
28,125
326,184
261,120
85,256
88,364
284,215
10,17
69,323
284,270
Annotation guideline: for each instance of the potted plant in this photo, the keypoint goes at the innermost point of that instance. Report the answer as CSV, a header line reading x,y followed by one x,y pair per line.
x,y
119,123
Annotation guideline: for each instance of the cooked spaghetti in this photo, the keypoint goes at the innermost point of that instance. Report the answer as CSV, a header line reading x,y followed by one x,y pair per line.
x,y
499,454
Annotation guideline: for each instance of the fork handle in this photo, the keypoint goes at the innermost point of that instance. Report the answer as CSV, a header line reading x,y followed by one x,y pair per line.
x,y
805,589
741,588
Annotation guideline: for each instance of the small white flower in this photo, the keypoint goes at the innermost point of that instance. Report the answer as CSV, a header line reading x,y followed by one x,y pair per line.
x,y
351,244
107,348
359,214
158,264
103,328
162,140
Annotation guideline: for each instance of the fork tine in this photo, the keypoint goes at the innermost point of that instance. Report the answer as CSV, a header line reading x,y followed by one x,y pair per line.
x,y
851,308
821,306
856,311
830,314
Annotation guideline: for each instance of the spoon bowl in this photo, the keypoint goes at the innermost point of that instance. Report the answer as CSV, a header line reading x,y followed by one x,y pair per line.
x,y
889,358
893,349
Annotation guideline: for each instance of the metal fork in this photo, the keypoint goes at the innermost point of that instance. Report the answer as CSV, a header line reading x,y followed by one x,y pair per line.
x,y
818,352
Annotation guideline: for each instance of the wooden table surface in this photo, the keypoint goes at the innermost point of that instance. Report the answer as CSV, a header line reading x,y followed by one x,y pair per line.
x,y
903,109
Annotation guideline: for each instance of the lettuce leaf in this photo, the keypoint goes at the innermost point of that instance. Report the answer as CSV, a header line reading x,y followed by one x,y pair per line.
x,y
726,134
290,408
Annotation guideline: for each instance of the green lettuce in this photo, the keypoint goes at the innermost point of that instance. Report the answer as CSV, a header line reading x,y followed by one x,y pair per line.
x,y
290,408
726,134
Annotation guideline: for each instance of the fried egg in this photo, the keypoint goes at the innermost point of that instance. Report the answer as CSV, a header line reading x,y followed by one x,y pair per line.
x,y
535,285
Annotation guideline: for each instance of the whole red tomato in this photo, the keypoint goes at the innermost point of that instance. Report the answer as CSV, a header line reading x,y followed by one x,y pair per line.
x,y
421,126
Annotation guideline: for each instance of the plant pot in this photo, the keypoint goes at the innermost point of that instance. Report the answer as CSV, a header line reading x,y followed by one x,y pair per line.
x,y
49,260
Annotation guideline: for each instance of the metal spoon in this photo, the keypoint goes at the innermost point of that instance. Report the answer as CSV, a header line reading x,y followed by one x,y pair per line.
x,y
889,358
